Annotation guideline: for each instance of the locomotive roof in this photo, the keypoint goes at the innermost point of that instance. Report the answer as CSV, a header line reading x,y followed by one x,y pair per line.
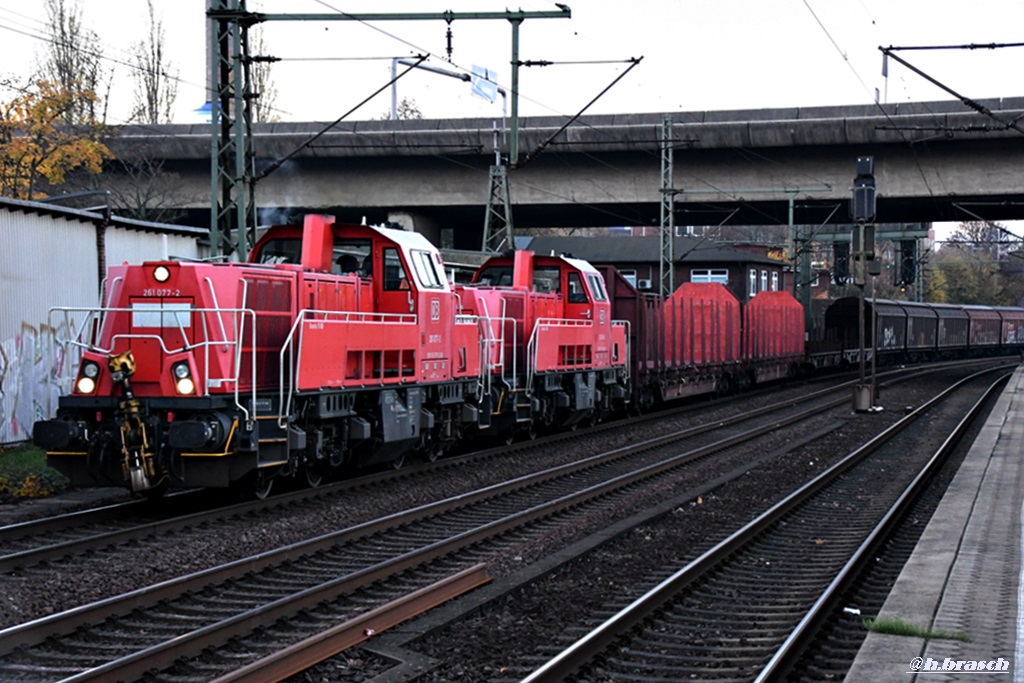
x,y
404,238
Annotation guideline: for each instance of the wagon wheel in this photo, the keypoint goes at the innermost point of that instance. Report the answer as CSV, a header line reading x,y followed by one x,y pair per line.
x,y
397,463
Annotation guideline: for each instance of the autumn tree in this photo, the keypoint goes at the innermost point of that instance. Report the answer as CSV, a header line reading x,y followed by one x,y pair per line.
x,y
73,64
36,149
981,264
156,83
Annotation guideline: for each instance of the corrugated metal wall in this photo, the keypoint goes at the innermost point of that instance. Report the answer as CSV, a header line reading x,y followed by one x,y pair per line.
x,y
135,246
44,261
47,260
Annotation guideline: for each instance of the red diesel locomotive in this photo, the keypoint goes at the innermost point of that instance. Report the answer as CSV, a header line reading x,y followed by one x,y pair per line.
x,y
334,345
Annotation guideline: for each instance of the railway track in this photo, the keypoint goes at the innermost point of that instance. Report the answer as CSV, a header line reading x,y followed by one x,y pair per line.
x,y
746,609
65,536
352,571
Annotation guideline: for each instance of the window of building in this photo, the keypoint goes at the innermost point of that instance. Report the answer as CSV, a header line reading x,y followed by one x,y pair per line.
x,y
764,280
630,276
719,275
775,281
752,290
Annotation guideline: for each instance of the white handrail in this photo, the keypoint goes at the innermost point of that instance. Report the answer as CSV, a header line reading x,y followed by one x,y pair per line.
x,y
288,348
75,339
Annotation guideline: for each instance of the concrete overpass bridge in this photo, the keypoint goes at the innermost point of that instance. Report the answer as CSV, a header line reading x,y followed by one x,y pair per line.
x,y
934,161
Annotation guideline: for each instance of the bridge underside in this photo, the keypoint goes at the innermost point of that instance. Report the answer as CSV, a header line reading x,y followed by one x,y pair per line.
x,y
466,221
934,162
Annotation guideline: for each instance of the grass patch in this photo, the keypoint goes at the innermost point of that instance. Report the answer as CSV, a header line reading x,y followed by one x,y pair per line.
x,y
25,474
898,627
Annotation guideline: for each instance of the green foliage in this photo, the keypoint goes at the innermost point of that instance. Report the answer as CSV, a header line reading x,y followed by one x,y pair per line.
x,y
980,264
898,627
25,474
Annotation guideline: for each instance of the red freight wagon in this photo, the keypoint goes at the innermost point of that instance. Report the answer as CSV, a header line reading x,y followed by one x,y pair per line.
x,y
773,335
701,335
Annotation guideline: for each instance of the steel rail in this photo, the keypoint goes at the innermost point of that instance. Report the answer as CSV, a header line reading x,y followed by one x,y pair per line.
x,y
789,652
66,622
62,549
598,640
78,520
301,656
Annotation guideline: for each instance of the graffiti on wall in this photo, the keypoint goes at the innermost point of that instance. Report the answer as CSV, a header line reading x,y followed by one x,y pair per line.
x,y
32,377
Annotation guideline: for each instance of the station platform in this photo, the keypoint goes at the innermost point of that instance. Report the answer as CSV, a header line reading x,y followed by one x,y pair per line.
x,y
965,573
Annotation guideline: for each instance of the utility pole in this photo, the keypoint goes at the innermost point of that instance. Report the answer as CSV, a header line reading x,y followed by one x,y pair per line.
x,y
233,208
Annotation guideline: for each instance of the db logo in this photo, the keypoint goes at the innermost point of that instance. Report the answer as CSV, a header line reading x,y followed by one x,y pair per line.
x,y
435,309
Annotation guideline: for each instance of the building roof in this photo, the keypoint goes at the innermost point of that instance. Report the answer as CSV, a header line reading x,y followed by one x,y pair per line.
x,y
632,249
98,218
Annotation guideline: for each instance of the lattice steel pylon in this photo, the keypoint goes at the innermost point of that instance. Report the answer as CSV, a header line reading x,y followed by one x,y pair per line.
x,y
499,232
233,203
666,276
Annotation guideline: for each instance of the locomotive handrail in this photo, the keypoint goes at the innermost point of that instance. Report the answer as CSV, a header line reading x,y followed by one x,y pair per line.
x,y
626,365
216,304
488,341
531,347
288,347
101,313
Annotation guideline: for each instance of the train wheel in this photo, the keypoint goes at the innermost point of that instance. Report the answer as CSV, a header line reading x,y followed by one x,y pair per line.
x,y
397,463
261,484
158,491
314,475
432,452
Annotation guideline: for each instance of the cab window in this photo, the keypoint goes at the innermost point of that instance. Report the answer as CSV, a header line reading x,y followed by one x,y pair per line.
x,y
495,276
577,294
545,279
426,272
281,250
352,257
394,273
597,287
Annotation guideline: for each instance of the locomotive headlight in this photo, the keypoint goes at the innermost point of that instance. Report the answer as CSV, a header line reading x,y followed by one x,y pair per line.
x,y
183,379
87,382
161,274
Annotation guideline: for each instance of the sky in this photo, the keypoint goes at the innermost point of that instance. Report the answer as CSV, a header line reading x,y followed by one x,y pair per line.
x,y
697,54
